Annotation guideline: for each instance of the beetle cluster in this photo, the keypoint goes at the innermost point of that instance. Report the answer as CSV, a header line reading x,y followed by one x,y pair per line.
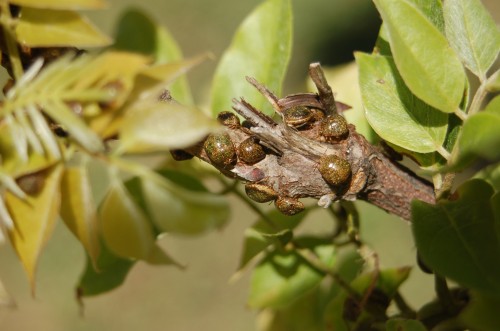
x,y
263,193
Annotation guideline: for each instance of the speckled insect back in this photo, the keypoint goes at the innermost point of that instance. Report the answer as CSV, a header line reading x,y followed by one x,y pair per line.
x,y
260,192
250,152
297,116
220,150
334,128
289,206
228,118
335,170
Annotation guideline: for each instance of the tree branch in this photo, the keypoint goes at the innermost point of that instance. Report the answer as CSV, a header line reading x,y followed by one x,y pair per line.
x,y
291,168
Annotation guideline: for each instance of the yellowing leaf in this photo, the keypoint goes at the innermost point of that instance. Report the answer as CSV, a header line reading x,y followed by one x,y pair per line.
x,y
125,227
46,27
34,220
61,4
78,209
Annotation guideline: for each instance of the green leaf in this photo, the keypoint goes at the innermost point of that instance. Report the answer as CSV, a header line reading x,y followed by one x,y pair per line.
x,y
125,228
138,32
255,236
342,314
182,209
393,111
399,324
61,4
493,83
473,34
50,28
260,49
479,138
78,209
481,313
34,220
428,65
493,106
108,273
491,175
282,277
163,126
433,10
459,239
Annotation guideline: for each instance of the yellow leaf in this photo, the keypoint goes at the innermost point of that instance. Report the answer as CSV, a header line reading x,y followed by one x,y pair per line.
x,y
34,220
125,228
78,209
46,27
61,4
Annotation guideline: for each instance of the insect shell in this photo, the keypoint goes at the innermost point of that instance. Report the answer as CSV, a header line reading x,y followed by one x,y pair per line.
x,y
334,127
220,150
289,206
250,152
297,116
260,192
228,118
335,170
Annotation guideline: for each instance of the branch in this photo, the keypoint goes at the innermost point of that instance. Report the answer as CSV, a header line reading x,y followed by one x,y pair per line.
x,y
293,154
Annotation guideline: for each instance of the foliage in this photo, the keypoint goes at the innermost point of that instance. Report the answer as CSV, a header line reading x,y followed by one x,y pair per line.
x,y
68,109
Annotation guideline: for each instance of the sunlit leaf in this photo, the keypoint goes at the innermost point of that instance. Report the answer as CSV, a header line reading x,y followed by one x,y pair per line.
x,y
472,33
34,220
393,111
182,210
61,4
284,276
479,138
138,32
427,64
459,239
78,209
260,49
163,126
49,28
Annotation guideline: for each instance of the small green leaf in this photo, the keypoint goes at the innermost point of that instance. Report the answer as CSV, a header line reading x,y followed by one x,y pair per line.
x,y
78,209
110,273
163,126
125,228
184,211
260,49
479,138
138,32
473,34
255,241
427,64
491,175
61,4
34,220
50,28
393,111
399,324
282,277
458,239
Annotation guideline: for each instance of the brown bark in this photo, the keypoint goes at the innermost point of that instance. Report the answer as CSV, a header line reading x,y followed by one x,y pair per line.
x,y
291,164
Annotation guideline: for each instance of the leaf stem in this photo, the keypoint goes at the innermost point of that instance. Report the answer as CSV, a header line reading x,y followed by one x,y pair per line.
x,y
478,99
460,114
403,306
14,56
443,152
444,294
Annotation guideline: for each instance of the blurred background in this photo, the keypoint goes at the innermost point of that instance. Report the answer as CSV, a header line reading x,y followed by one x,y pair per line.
x,y
200,297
